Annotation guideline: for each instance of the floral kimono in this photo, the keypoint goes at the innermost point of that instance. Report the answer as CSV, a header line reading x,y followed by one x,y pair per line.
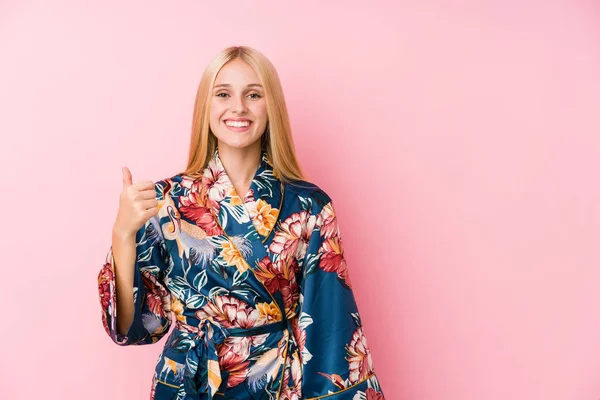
x,y
259,288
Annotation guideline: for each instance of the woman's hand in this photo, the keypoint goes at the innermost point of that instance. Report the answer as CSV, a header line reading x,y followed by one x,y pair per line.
x,y
137,204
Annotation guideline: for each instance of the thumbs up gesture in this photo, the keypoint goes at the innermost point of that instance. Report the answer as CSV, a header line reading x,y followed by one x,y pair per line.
x,y
137,204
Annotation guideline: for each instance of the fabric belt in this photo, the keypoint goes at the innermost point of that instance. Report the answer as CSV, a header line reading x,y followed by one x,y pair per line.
x,y
203,375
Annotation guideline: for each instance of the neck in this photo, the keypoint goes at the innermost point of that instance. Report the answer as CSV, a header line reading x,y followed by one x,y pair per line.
x,y
241,164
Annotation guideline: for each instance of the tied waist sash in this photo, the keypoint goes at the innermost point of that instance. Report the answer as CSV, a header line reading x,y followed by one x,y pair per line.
x,y
202,375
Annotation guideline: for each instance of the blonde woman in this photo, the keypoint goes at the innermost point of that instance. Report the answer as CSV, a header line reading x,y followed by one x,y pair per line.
x,y
244,252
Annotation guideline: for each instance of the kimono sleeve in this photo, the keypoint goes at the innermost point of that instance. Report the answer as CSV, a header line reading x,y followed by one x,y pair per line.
x,y
152,315
336,361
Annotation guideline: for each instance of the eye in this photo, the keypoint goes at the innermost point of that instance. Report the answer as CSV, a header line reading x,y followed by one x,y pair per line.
x,y
258,96
219,94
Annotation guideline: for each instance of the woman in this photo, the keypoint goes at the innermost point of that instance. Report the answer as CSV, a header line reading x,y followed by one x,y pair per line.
x,y
258,283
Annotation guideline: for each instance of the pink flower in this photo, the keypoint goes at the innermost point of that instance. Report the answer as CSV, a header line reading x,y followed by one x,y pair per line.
x,y
359,357
291,240
193,208
216,183
332,259
327,222
270,277
158,298
153,387
373,394
299,335
292,390
280,276
231,313
233,354
105,278
291,393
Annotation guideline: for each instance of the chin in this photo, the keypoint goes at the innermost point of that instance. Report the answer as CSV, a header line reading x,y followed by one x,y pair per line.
x,y
238,145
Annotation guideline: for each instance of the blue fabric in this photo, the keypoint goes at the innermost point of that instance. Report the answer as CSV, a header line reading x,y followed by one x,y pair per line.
x,y
259,289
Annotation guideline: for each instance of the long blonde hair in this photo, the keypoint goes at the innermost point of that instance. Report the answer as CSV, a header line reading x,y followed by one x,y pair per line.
x,y
277,141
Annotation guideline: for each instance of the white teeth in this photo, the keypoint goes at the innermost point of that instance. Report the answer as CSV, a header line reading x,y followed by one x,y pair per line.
x,y
237,124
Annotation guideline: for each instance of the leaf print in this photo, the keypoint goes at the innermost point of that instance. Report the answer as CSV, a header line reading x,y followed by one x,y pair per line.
x,y
312,262
150,269
146,255
356,318
305,320
305,203
180,281
196,301
247,292
177,288
200,280
217,291
237,212
239,277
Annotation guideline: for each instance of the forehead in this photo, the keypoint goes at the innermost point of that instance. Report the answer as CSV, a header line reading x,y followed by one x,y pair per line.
x,y
236,73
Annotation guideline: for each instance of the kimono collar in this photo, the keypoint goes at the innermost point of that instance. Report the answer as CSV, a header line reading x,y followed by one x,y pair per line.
x,y
258,207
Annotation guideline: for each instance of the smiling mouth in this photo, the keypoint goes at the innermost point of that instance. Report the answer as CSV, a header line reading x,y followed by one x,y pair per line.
x,y
238,124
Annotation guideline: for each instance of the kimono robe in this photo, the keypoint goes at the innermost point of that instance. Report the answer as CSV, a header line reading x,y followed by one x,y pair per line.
x,y
259,289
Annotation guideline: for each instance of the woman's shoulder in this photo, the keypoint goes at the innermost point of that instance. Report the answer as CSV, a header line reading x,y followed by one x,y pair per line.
x,y
306,189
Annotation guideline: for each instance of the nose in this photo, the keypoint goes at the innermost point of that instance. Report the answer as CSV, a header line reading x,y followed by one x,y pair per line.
x,y
239,105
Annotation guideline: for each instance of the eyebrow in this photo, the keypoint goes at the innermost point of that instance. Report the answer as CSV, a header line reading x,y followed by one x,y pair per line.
x,y
228,85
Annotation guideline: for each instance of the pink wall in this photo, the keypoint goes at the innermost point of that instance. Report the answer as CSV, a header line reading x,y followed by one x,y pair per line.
x,y
459,139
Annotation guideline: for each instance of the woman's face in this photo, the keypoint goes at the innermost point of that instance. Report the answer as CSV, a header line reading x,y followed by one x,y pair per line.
x,y
238,111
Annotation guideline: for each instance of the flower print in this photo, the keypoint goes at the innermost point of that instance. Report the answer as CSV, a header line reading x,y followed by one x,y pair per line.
x,y
327,221
373,394
268,275
286,375
263,216
233,354
194,184
158,297
193,208
299,335
292,239
280,276
297,371
249,196
153,387
257,340
237,373
231,313
290,294
292,390
291,393
234,198
359,357
105,278
216,182
269,312
177,308
232,256
332,259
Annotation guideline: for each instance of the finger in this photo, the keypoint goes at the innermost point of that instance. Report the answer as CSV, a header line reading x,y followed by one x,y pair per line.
x,y
148,204
144,194
127,180
149,213
143,185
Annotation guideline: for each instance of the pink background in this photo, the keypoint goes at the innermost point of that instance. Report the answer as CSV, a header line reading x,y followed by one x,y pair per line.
x,y
460,141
